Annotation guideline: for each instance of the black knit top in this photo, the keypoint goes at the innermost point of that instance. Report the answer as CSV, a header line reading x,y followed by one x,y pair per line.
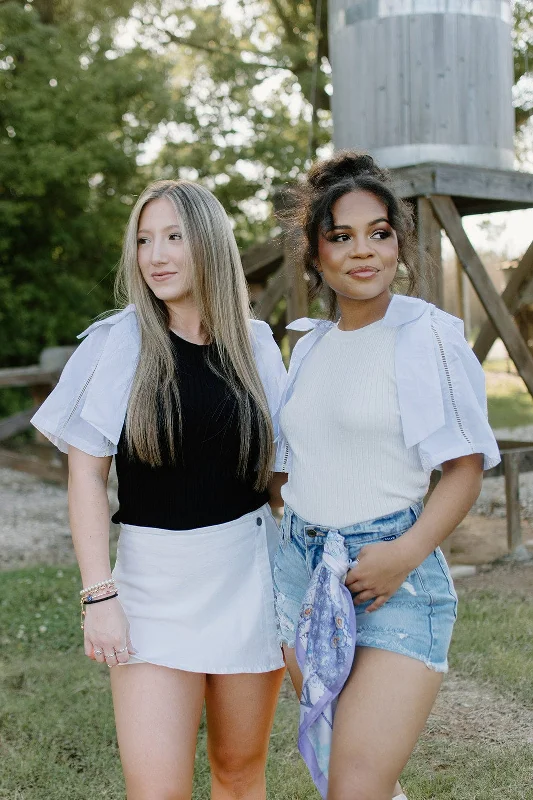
x,y
202,487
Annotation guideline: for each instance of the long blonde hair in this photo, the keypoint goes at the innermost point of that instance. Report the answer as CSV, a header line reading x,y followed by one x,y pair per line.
x,y
220,293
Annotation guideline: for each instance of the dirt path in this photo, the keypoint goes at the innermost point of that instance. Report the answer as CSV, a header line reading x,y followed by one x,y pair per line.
x,y
467,711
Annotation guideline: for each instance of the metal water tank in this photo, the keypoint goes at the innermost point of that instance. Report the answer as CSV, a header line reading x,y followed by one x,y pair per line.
x,y
423,80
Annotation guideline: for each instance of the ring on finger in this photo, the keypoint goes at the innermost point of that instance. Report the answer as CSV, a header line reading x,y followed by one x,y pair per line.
x,y
110,655
98,652
122,650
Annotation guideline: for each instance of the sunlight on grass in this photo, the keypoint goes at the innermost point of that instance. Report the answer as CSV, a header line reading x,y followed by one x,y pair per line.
x,y
509,403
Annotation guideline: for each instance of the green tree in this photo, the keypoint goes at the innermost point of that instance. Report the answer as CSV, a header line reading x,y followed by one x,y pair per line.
x,y
75,110
523,60
249,76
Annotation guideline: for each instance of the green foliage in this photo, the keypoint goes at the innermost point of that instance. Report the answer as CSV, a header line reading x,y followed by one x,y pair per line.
x,y
231,96
74,113
241,83
523,59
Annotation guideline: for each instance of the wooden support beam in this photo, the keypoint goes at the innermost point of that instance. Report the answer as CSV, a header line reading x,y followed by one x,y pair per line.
x,y
493,304
520,280
271,295
429,243
261,260
16,423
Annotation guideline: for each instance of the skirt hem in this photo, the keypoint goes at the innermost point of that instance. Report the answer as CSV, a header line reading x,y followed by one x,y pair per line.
x,y
237,671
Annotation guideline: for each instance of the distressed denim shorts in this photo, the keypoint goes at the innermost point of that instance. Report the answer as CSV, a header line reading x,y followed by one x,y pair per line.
x,y
417,621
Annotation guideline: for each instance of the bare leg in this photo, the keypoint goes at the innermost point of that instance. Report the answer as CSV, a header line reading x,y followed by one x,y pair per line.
x,y
157,713
240,711
296,678
381,713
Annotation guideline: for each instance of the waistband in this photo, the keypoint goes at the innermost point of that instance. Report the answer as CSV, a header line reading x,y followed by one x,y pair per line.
x,y
256,517
397,521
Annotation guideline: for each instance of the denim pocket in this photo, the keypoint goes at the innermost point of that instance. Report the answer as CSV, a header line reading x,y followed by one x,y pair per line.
x,y
439,555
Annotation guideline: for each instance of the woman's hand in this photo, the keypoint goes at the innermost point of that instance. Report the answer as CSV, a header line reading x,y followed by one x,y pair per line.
x,y
379,573
384,566
106,633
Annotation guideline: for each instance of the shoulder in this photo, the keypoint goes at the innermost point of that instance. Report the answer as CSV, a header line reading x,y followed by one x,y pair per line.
x,y
261,330
262,336
126,318
449,333
419,320
116,335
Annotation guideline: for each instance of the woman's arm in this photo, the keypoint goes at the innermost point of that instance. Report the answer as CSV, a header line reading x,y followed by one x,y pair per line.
x,y
384,566
274,489
449,503
106,628
89,514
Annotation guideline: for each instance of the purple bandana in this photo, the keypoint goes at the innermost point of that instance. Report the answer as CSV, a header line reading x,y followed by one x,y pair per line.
x,y
325,648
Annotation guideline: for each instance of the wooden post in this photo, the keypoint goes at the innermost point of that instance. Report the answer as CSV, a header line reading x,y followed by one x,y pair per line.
x,y
511,463
460,288
463,299
39,394
496,309
429,243
297,303
271,295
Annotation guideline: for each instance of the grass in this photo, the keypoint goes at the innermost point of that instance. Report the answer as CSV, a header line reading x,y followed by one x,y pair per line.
x,y
57,738
510,404
494,642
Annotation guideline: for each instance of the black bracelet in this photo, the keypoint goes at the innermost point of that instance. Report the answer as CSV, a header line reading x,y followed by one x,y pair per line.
x,y
99,599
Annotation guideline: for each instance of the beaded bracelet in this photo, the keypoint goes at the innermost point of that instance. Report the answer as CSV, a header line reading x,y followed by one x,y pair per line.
x,y
109,583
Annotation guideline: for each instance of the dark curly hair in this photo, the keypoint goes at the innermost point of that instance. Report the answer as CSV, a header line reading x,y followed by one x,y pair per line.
x,y
310,214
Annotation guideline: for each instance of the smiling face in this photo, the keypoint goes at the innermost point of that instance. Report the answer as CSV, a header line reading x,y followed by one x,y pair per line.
x,y
161,252
358,257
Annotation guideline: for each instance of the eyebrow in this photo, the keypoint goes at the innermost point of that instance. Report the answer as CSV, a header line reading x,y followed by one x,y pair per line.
x,y
349,227
168,228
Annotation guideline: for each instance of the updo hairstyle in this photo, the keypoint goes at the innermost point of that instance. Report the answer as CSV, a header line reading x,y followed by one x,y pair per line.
x,y
312,215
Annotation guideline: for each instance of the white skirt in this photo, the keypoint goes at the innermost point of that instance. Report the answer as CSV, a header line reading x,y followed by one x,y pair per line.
x,y
202,600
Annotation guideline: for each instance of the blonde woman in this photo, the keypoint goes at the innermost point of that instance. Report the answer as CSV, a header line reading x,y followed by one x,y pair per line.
x,y
184,390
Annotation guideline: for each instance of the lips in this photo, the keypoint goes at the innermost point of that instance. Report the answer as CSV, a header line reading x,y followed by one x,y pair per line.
x,y
162,276
363,272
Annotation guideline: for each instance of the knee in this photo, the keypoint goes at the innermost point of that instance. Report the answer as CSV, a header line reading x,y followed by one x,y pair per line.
x,y
156,790
359,784
158,793
237,772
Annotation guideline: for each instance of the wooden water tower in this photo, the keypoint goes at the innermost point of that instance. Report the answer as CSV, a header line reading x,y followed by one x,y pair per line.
x,y
426,87
417,81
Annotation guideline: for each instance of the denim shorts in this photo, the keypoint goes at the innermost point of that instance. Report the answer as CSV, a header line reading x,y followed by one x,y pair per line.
x,y
417,621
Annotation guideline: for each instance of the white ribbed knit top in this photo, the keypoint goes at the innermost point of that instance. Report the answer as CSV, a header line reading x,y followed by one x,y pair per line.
x,y
343,425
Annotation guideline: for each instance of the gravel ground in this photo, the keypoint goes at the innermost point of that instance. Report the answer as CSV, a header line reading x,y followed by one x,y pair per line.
x,y
34,520
34,527
491,502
